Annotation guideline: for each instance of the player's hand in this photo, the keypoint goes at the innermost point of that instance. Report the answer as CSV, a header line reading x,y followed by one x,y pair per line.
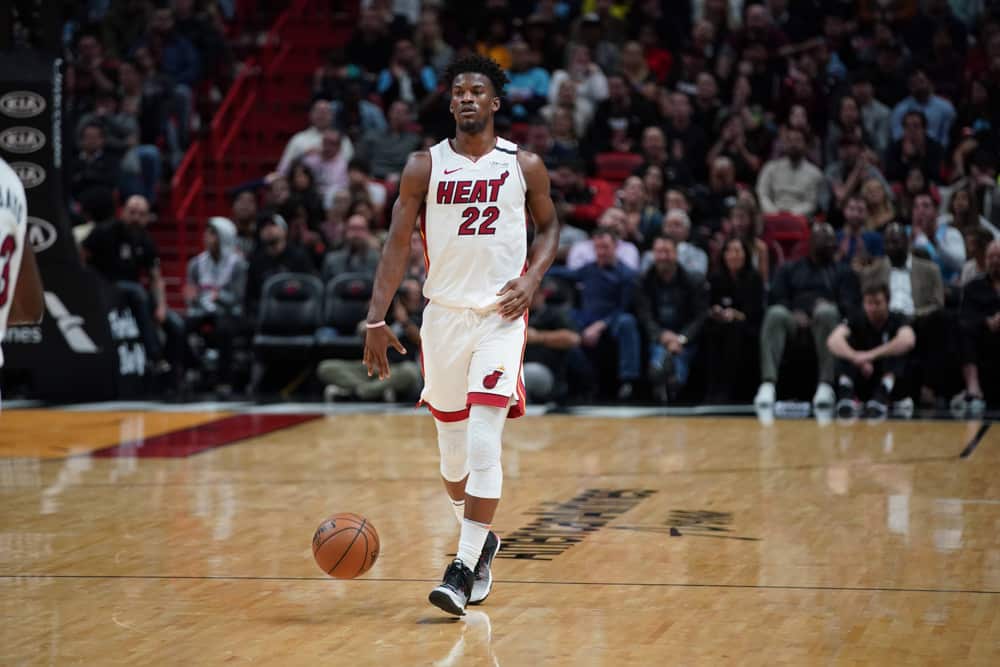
x,y
516,297
377,341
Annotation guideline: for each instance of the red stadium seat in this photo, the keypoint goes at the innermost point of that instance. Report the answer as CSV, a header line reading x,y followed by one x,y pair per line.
x,y
615,166
789,231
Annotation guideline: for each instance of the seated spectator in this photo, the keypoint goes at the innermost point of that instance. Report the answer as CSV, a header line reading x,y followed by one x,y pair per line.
x,y
354,115
848,123
580,111
607,286
551,335
845,175
732,330
429,40
942,242
914,149
714,201
302,187
671,306
331,77
124,253
982,181
371,41
685,139
275,255
875,116
91,72
203,31
214,293
871,354
619,120
565,145
579,200
639,211
652,178
590,82
814,293
937,112
732,144
857,246
963,213
388,150
361,186
917,293
406,78
791,183
798,119
677,226
247,220
177,56
359,254
585,252
980,324
976,242
745,224
653,149
707,105
528,89
328,165
346,378
416,267
311,138
878,203
94,170
914,184
634,67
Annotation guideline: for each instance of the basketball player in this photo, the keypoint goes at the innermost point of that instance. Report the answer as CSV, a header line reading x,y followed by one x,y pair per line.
x,y
21,299
470,194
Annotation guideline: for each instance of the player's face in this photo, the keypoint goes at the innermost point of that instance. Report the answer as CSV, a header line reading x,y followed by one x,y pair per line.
x,y
473,102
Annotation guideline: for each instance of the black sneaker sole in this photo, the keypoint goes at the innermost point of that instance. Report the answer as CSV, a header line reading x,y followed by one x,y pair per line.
x,y
444,601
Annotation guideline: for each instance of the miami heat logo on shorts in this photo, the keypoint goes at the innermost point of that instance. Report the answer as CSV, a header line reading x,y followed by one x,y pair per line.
x,y
490,381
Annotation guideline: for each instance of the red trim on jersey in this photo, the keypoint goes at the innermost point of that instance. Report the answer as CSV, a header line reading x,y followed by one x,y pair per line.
x,y
486,398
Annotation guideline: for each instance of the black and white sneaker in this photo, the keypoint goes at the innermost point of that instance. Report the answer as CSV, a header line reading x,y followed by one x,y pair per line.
x,y
453,593
877,408
483,584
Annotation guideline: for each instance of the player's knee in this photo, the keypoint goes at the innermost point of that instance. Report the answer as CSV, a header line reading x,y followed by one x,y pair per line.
x,y
484,446
453,446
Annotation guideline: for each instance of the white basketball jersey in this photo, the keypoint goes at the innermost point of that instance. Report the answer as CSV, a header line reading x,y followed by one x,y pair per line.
x,y
474,225
13,232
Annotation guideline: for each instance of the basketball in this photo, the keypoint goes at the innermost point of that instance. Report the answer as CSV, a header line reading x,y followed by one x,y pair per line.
x,y
345,545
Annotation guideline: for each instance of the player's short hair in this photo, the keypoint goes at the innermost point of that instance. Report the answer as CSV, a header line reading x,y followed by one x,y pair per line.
x,y
876,288
478,64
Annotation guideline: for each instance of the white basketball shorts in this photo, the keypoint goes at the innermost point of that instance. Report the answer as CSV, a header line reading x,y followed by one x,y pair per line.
x,y
471,358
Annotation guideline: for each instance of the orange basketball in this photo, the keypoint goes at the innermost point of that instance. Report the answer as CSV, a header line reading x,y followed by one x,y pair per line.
x,y
345,545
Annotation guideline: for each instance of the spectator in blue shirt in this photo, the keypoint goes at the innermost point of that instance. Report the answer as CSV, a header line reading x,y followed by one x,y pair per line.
x,y
939,112
853,240
406,78
177,56
606,290
529,85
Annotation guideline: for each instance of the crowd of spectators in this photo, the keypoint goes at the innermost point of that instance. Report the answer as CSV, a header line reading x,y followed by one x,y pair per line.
x,y
681,138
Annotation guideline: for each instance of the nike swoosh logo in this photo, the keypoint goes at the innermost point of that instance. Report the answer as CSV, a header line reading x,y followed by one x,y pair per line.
x,y
448,172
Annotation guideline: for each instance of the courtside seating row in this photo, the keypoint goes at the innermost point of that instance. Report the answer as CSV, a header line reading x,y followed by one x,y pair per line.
x,y
304,319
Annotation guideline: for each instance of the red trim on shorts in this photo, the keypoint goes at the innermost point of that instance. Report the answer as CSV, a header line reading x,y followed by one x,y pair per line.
x,y
486,398
521,406
454,416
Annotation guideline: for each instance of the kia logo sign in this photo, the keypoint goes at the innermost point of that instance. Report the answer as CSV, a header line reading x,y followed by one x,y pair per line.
x,y
41,234
31,174
21,139
22,104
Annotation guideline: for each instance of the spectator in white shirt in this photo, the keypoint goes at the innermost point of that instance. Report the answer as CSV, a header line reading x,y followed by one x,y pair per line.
x,y
583,252
694,260
311,138
942,242
791,183
328,165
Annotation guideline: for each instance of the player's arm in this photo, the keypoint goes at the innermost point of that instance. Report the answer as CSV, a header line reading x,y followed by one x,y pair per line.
x,y
392,265
516,295
28,305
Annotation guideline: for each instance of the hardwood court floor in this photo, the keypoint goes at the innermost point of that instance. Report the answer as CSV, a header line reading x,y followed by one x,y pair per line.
x,y
643,541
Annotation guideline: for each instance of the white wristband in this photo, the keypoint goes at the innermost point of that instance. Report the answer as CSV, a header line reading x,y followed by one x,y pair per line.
x,y
375,325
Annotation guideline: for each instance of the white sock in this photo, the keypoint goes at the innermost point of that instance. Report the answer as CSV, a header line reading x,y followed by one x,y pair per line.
x,y
471,541
888,382
459,507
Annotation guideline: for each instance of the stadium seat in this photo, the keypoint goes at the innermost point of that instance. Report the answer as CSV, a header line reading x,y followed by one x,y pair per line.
x,y
345,304
789,231
615,166
290,310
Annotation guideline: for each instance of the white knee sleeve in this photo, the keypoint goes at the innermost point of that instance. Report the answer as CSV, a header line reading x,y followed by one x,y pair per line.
x,y
453,445
485,430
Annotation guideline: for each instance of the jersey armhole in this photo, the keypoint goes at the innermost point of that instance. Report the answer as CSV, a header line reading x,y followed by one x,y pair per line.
x,y
520,173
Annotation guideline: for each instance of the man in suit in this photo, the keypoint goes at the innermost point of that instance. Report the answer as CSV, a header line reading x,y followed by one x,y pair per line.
x,y
916,292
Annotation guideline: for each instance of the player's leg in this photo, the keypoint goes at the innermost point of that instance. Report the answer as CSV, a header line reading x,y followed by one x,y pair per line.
x,y
453,447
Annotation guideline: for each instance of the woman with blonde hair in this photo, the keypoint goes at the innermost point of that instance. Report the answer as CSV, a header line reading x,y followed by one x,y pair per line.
x,y
880,209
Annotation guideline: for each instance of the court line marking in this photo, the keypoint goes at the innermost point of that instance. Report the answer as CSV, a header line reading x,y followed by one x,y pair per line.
x,y
625,584
976,439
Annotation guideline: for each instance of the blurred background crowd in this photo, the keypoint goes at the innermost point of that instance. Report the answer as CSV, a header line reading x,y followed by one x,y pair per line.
x,y
758,200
